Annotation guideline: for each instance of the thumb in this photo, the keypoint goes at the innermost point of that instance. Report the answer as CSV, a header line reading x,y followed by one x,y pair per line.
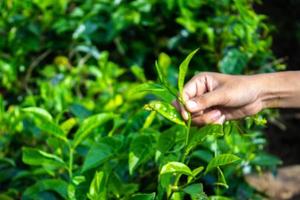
x,y
207,100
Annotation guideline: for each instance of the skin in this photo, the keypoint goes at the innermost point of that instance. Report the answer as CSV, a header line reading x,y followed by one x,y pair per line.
x,y
214,97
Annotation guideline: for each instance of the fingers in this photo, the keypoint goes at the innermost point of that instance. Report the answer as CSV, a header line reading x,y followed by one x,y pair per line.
x,y
207,100
209,117
196,86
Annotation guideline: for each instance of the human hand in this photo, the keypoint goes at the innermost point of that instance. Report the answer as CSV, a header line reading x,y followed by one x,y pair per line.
x,y
214,98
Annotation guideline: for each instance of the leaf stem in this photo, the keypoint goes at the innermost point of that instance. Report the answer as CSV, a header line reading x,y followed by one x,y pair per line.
x,y
70,169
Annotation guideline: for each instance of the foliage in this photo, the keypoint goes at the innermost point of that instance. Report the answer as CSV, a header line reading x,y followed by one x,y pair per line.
x,y
75,76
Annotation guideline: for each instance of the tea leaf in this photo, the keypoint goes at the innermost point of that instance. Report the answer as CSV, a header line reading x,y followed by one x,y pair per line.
x,y
218,198
195,191
265,159
102,151
39,112
33,156
176,168
98,187
141,149
183,70
150,196
166,110
221,179
155,89
45,122
195,172
220,160
88,125
198,136
56,185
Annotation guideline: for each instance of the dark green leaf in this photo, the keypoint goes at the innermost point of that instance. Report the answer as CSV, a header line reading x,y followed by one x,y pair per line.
x,y
55,185
101,151
234,62
89,124
33,156
143,197
141,149
195,191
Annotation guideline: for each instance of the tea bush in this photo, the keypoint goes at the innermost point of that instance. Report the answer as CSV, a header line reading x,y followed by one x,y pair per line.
x,y
75,76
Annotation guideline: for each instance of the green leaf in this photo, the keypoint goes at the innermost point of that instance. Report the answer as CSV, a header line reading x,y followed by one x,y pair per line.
x,y
89,124
183,70
198,136
234,62
171,137
264,159
141,149
58,186
138,73
67,125
39,111
219,198
220,160
155,89
33,156
195,172
176,168
44,121
166,110
221,179
163,79
102,151
98,187
195,191
150,196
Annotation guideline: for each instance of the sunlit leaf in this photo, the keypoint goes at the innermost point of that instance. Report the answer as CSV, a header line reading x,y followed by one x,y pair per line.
x,y
166,110
98,187
220,160
183,70
150,196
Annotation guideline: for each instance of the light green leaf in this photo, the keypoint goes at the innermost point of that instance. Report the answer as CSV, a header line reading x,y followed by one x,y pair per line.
x,y
166,110
195,172
89,124
138,73
183,70
67,125
33,156
102,151
220,160
141,149
219,198
39,111
98,187
221,179
176,168
155,89
163,79
150,196
44,121
55,185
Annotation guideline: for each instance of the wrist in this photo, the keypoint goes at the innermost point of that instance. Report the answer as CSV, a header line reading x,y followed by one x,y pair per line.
x,y
278,90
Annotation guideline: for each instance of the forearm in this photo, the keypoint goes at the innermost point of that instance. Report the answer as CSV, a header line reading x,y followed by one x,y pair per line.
x,y
279,90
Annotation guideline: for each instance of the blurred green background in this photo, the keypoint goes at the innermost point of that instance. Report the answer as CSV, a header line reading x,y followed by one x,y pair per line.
x,y
76,58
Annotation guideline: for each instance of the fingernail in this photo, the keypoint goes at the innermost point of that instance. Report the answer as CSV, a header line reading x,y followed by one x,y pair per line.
x,y
191,105
216,114
185,115
221,120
